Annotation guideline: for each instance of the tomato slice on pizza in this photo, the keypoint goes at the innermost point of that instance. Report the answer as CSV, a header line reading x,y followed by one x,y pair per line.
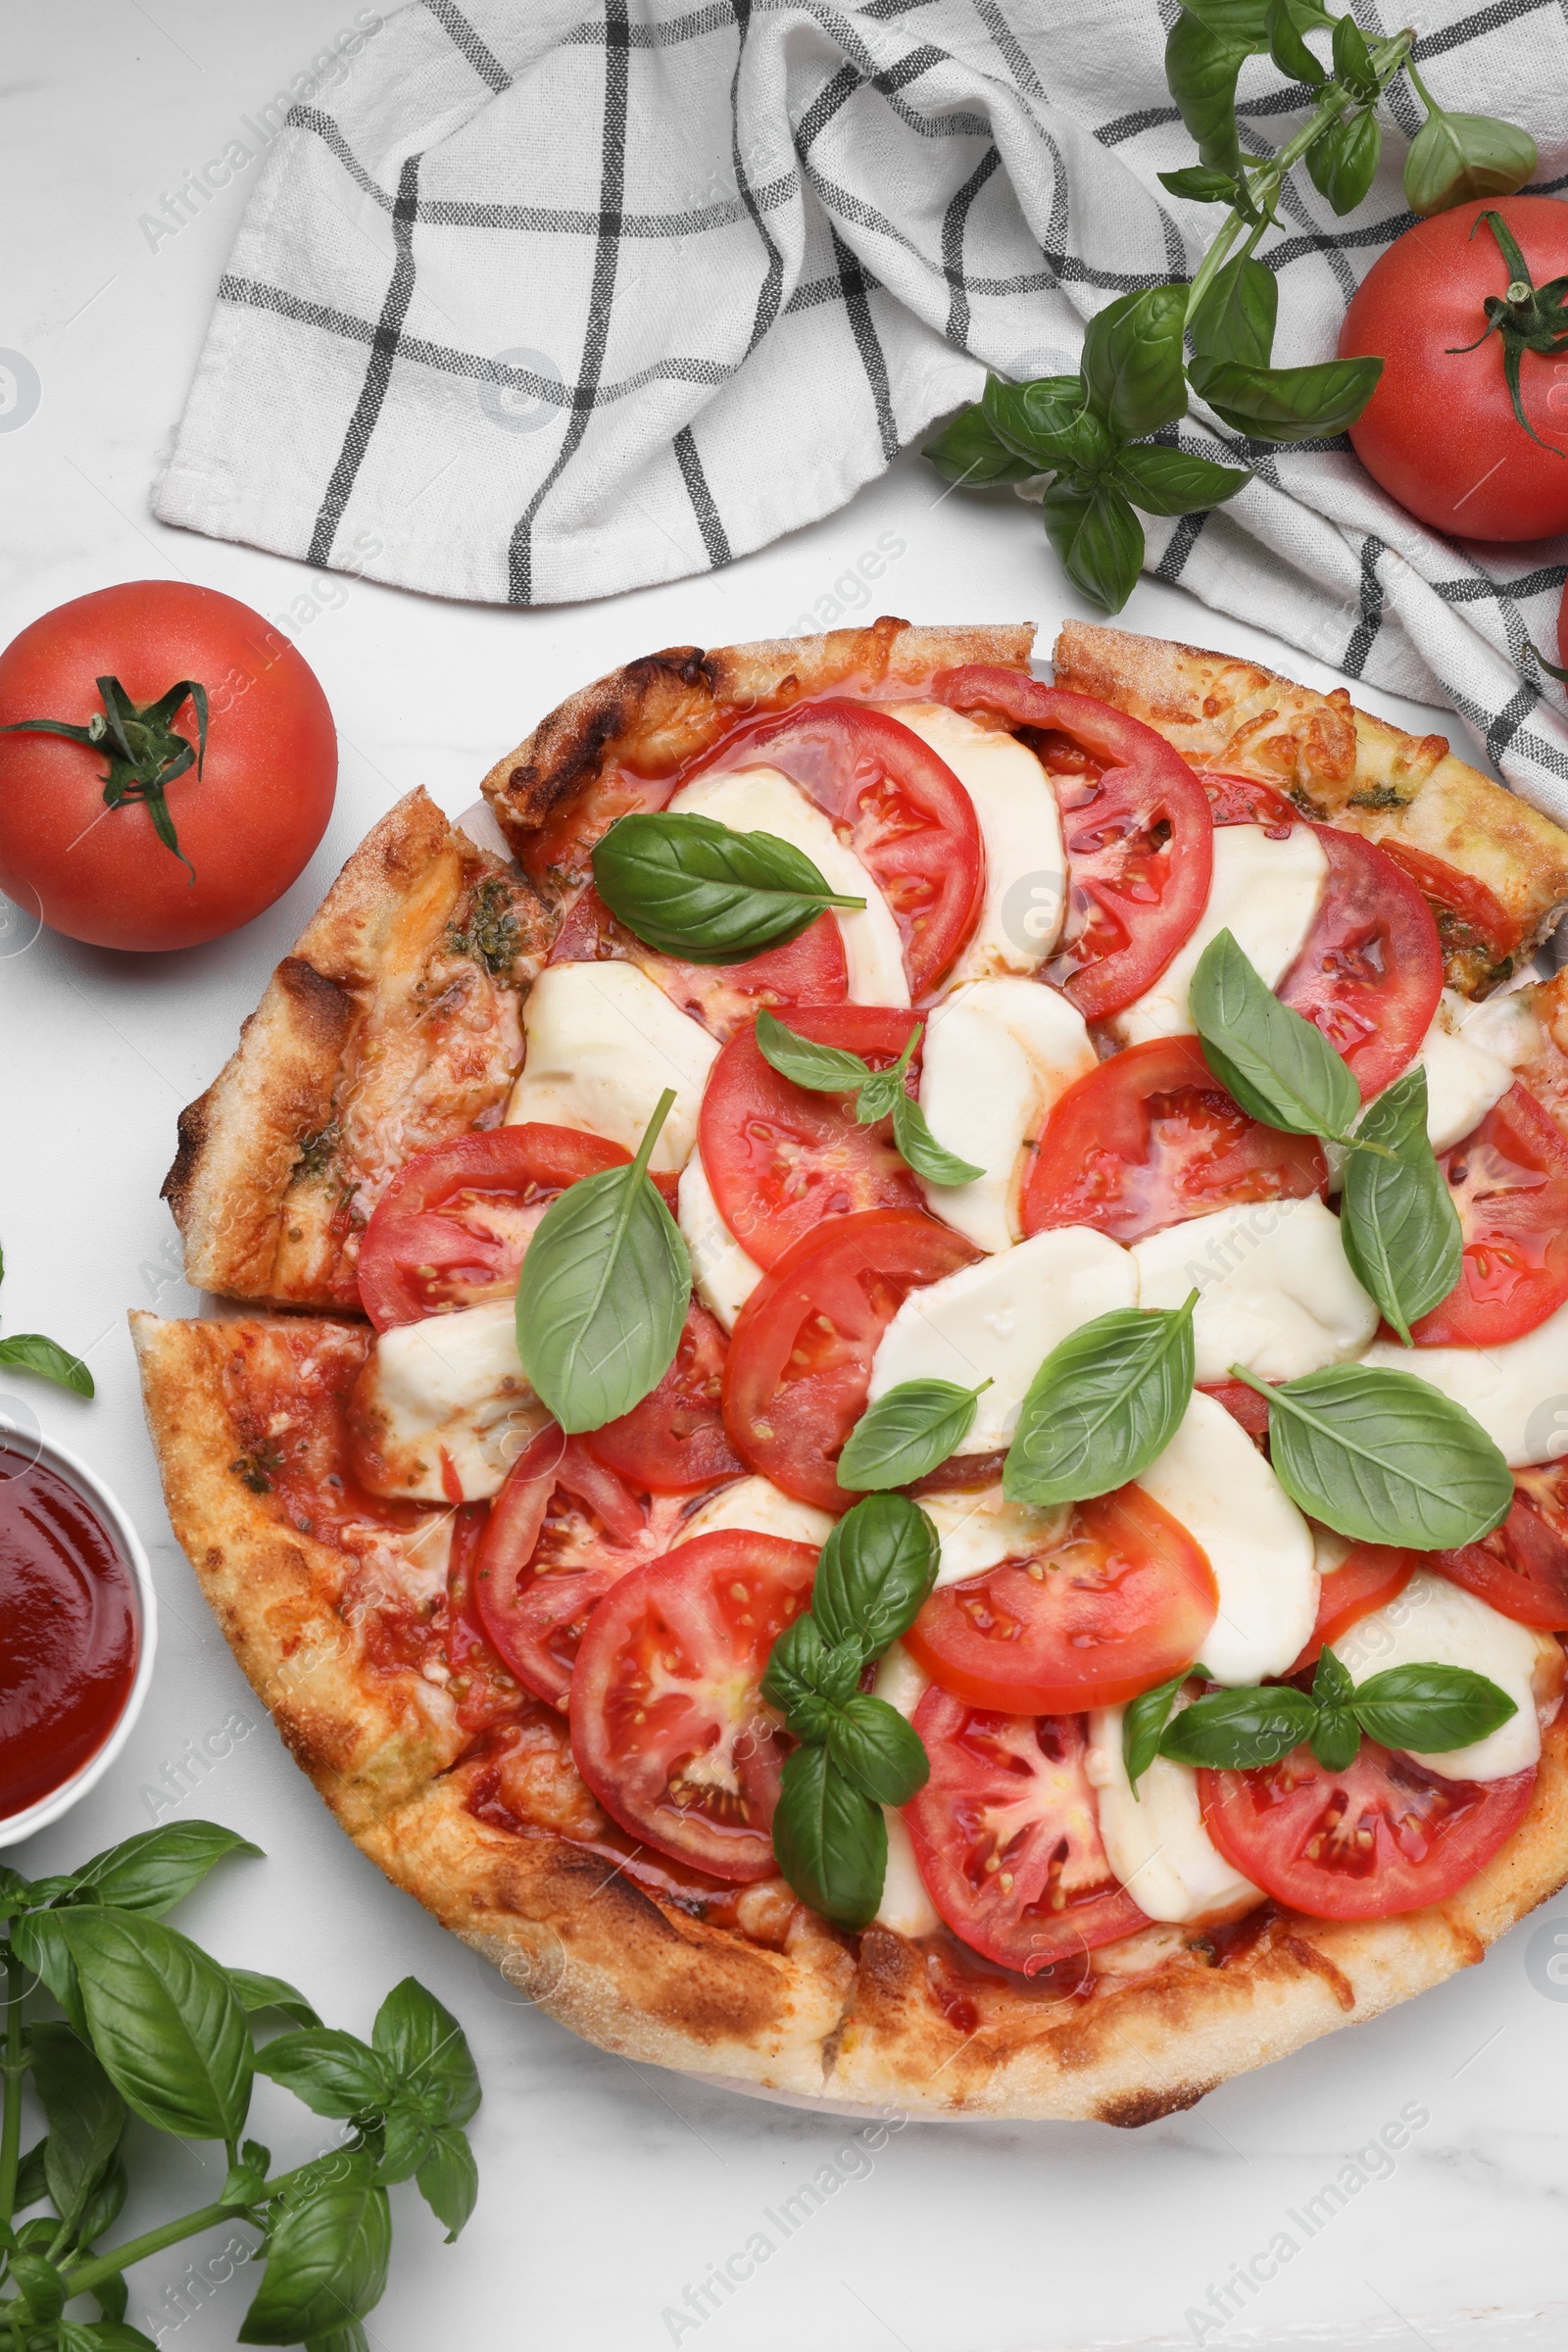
x,y
809,970
1370,970
1509,1183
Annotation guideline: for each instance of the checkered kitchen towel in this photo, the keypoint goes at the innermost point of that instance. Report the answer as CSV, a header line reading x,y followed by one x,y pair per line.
x,y
537,300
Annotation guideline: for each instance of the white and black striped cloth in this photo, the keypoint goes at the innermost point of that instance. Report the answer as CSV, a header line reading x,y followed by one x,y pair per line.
x,y
537,300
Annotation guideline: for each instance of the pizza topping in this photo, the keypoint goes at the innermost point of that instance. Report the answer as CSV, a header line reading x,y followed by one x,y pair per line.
x,y
443,1407
1214,1483
1508,1181
1275,1289
1354,1580
1509,1389
994,1320
873,1094
997,1055
722,1274
1265,891
602,1044
809,970
1155,1840
1370,971
1102,1406
1522,1567
1434,1622
755,1503
908,1433
1464,1077
674,1441
978,1528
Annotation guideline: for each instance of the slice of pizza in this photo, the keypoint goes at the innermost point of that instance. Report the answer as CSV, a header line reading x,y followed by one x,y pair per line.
x,y
916,1141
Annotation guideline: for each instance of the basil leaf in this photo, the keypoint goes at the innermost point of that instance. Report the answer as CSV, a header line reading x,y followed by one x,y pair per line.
x,y
908,1432
1334,1738
1132,361
877,1748
1199,184
1142,1725
1278,1066
448,2179
428,2051
604,1293
1201,69
247,2178
1235,319
1286,48
39,1943
694,888
41,2286
1456,159
823,1069
103,2202
969,451
1286,404
106,2335
805,1678
1047,421
1167,481
332,2071
1098,538
1384,1459
153,1871
351,2338
1430,1708
1331,1686
875,1572
405,2142
920,1149
32,2177
31,1352
259,1993
326,2261
1352,60
1233,1731
832,1841
1237,20
1398,1221
1104,1403
86,2115
164,2020
1344,161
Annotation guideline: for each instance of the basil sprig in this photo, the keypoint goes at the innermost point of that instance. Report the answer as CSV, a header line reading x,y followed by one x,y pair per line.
x,y
31,1352
907,1433
604,1289
155,2029
878,1094
1384,1457
857,1753
1280,1069
1425,1707
1398,1221
692,886
1104,1403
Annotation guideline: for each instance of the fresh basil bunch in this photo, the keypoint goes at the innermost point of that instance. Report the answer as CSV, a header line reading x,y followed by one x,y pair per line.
x,y
878,1094
1429,1708
1088,433
154,2027
856,1753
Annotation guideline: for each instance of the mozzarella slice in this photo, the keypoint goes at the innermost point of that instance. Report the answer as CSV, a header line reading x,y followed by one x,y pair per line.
x,y
1276,1292
1506,1025
450,1387
1435,1623
602,1044
1517,1391
759,799
906,1905
1155,1840
1265,893
1212,1478
1020,824
1001,1318
996,1056
725,1276
1464,1078
978,1528
757,1506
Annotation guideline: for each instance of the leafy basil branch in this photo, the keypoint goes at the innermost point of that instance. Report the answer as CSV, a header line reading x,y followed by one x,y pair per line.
x,y
1089,432
856,1753
878,1094
153,2027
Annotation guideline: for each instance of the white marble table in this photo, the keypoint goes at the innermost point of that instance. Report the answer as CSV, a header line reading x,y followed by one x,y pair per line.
x,y
608,2190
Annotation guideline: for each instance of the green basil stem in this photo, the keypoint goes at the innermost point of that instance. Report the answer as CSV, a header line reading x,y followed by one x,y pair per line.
x,y
87,2275
1263,184
11,2129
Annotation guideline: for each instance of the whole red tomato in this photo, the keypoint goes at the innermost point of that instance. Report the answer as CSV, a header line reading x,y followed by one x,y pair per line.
x,y
246,822
1440,432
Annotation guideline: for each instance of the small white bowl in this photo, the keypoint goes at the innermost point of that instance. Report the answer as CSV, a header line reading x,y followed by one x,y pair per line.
x,y
90,1486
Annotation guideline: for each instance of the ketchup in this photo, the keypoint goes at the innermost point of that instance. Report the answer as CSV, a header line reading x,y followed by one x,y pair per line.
x,y
68,1631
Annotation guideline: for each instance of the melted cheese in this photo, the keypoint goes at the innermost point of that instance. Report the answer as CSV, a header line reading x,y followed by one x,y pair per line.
x,y
905,1906
1000,1318
1464,1078
1212,1478
1505,1024
1276,1292
759,799
602,1044
1265,893
1155,1840
1433,1622
1020,824
996,1056
1517,1391
725,1276
977,1528
757,1506
451,1385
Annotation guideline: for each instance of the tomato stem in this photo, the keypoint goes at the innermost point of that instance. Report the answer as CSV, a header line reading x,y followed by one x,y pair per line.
x,y
145,751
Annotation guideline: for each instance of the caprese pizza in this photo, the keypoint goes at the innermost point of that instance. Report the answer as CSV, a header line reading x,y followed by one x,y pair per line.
x,y
897,1430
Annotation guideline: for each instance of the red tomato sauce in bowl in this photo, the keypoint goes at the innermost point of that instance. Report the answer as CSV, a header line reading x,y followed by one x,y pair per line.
x,y
69,1631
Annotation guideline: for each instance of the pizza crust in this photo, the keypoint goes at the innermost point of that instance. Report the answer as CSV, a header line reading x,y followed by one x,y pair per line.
x,y
1336,762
